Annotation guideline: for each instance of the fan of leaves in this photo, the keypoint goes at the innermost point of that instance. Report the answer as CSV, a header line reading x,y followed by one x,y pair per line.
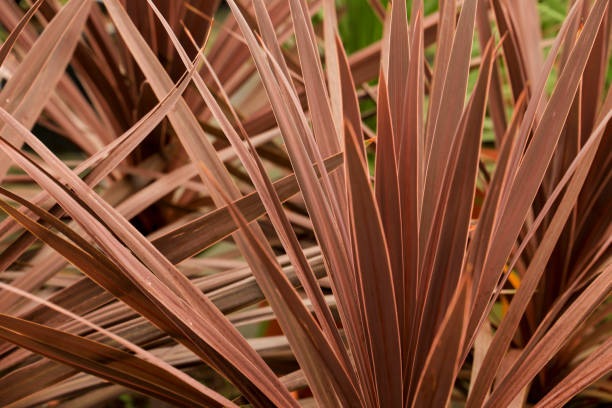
x,y
196,219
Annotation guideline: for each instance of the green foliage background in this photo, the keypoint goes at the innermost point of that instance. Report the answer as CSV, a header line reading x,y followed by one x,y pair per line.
x,y
360,27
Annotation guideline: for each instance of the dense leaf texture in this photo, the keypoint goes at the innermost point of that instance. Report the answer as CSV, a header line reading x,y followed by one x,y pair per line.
x,y
215,204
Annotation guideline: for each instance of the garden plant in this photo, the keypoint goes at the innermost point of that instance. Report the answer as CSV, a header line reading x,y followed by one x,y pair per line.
x,y
300,203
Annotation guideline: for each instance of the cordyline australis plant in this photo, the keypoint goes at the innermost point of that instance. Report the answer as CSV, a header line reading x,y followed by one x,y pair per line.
x,y
220,165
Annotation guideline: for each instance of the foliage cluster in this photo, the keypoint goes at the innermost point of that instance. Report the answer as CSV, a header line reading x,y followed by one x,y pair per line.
x,y
306,203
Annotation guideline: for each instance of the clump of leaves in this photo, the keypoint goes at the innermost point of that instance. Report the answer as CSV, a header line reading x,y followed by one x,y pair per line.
x,y
218,165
